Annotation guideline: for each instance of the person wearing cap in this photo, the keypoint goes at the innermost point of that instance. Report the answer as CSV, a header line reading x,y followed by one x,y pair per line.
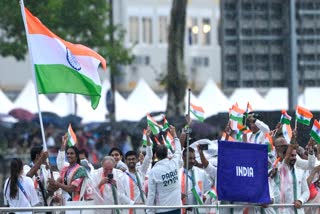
x,y
258,128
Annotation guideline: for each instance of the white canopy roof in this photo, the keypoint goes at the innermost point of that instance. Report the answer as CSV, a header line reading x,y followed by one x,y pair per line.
x,y
27,100
244,95
213,100
144,99
277,98
124,111
5,103
310,98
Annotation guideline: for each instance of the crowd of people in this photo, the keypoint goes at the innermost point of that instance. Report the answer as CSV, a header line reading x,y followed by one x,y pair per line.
x,y
162,175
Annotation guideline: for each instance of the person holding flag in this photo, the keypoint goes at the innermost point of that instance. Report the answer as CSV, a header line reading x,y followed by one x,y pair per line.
x,y
198,181
133,178
71,179
293,183
258,128
163,182
38,171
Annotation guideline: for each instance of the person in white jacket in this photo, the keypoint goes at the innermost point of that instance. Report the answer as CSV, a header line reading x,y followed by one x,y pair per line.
x,y
163,182
18,189
293,183
107,182
133,178
258,128
198,181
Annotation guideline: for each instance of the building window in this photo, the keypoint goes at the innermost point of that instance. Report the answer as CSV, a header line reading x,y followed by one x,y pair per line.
x,y
163,29
141,60
206,32
200,61
147,30
133,29
193,31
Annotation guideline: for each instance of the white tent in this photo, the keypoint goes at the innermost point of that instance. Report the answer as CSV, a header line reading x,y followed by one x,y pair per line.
x,y
27,100
144,99
5,103
277,98
213,99
85,110
310,98
124,111
193,99
64,104
244,95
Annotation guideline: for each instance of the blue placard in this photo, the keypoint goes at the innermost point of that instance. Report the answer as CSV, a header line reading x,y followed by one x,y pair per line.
x,y
243,172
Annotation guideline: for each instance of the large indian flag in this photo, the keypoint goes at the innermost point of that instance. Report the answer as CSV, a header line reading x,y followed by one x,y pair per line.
x,y
61,66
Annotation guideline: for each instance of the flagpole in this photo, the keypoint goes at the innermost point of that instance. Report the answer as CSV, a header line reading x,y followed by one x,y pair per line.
x,y
33,76
187,134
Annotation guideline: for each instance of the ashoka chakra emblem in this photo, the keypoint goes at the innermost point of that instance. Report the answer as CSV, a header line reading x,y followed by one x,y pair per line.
x,y
72,60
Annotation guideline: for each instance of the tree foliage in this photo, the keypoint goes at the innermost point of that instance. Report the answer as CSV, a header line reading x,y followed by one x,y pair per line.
x,y
77,21
176,81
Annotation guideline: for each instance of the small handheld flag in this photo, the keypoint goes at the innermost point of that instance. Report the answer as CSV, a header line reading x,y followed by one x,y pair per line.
x,y
285,118
315,131
72,138
197,111
303,115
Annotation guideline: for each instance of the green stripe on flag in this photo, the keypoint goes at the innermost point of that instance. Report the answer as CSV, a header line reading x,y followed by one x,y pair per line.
x,y
285,120
315,136
196,196
58,78
235,118
197,116
303,121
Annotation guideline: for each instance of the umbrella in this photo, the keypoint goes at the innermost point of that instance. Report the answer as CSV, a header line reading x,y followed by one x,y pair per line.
x,y
21,114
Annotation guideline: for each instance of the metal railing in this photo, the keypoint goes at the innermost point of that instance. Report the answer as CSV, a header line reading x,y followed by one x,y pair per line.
x,y
110,207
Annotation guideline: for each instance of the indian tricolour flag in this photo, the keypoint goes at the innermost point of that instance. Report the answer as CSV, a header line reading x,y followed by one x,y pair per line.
x,y
60,66
287,132
303,115
315,131
285,117
236,114
72,138
154,126
144,137
197,111
166,124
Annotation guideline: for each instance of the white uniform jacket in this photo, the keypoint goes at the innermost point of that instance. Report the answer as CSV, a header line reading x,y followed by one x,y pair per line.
x,y
163,182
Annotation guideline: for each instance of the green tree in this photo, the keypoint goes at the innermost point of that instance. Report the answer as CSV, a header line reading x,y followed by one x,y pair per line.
x,y
176,81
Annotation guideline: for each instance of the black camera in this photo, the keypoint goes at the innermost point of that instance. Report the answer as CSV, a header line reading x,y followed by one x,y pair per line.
x,y
110,177
203,146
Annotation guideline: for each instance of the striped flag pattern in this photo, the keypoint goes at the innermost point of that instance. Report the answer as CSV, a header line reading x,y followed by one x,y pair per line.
x,y
303,115
72,138
144,138
315,131
154,126
166,124
285,118
197,111
236,114
287,132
